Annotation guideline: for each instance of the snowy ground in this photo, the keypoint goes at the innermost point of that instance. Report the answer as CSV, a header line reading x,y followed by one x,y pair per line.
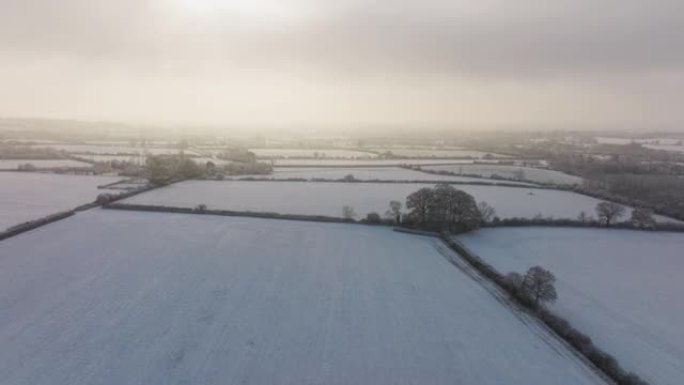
x,y
522,173
366,162
666,147
365,173
113,150
13,164
297,197
438,153
623,288
309,153
109,158
29,196
110,297
663,144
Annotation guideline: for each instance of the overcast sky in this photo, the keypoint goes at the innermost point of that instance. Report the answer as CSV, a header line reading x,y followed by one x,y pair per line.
x,y
560,63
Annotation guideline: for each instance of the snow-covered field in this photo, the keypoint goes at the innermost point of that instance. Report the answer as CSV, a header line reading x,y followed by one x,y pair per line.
x,y
13,164
29,196
623,288
363,173
309,153
521,173
110,297
114,150
665,147
109,158
364,162
663,144
328,198
438,153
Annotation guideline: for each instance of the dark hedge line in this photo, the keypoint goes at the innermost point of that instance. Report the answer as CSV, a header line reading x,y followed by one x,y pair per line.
x,y
579,189
342,180
229,213
579,341
34,224
523,222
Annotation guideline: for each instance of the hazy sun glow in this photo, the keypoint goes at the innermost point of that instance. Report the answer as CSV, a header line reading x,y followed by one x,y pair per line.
x,y
249,10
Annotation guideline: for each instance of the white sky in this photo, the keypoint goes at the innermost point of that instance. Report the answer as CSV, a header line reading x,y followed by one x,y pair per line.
x,y
602,63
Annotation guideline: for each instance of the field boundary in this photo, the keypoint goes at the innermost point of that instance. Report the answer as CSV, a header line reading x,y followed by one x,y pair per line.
x,y
376,181
34,224
577,341
673,227
46,220
227,213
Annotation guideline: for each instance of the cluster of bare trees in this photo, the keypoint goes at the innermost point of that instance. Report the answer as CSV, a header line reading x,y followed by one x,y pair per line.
x,y
445,208
608,213
536,286
441,208
164,169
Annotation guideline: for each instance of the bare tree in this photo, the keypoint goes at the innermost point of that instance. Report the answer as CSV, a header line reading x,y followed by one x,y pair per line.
x,y
607,212
583,217
419,203
394,211
538,283
348,212
643,217
486,211
453,207
514,279
373,218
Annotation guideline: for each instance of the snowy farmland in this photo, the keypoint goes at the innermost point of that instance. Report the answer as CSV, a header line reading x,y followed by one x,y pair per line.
x,y
330,197
110,297
310,153
365,162
13,164
94,149
521,173
438,153
30,196
363,173
623,288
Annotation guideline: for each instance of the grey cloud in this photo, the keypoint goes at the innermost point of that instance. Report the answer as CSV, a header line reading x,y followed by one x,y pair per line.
x,y
508,38
598,36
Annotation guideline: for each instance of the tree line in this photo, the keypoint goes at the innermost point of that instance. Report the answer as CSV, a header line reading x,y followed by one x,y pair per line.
x,y
164,169
440,208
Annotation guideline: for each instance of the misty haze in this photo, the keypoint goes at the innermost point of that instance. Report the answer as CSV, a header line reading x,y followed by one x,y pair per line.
x,y
341,192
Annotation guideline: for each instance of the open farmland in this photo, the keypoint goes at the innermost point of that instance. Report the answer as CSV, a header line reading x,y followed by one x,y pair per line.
x,y
108,158
365,162
94,149
363,173
666,147
13,164
30,196
330,197
519,173
438,153
309,153
109,297
623,288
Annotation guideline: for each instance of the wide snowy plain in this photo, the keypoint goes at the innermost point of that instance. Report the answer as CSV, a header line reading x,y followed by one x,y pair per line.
x,y
367,173
330,197
30,196
537,175
12,164
111,297
623,288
